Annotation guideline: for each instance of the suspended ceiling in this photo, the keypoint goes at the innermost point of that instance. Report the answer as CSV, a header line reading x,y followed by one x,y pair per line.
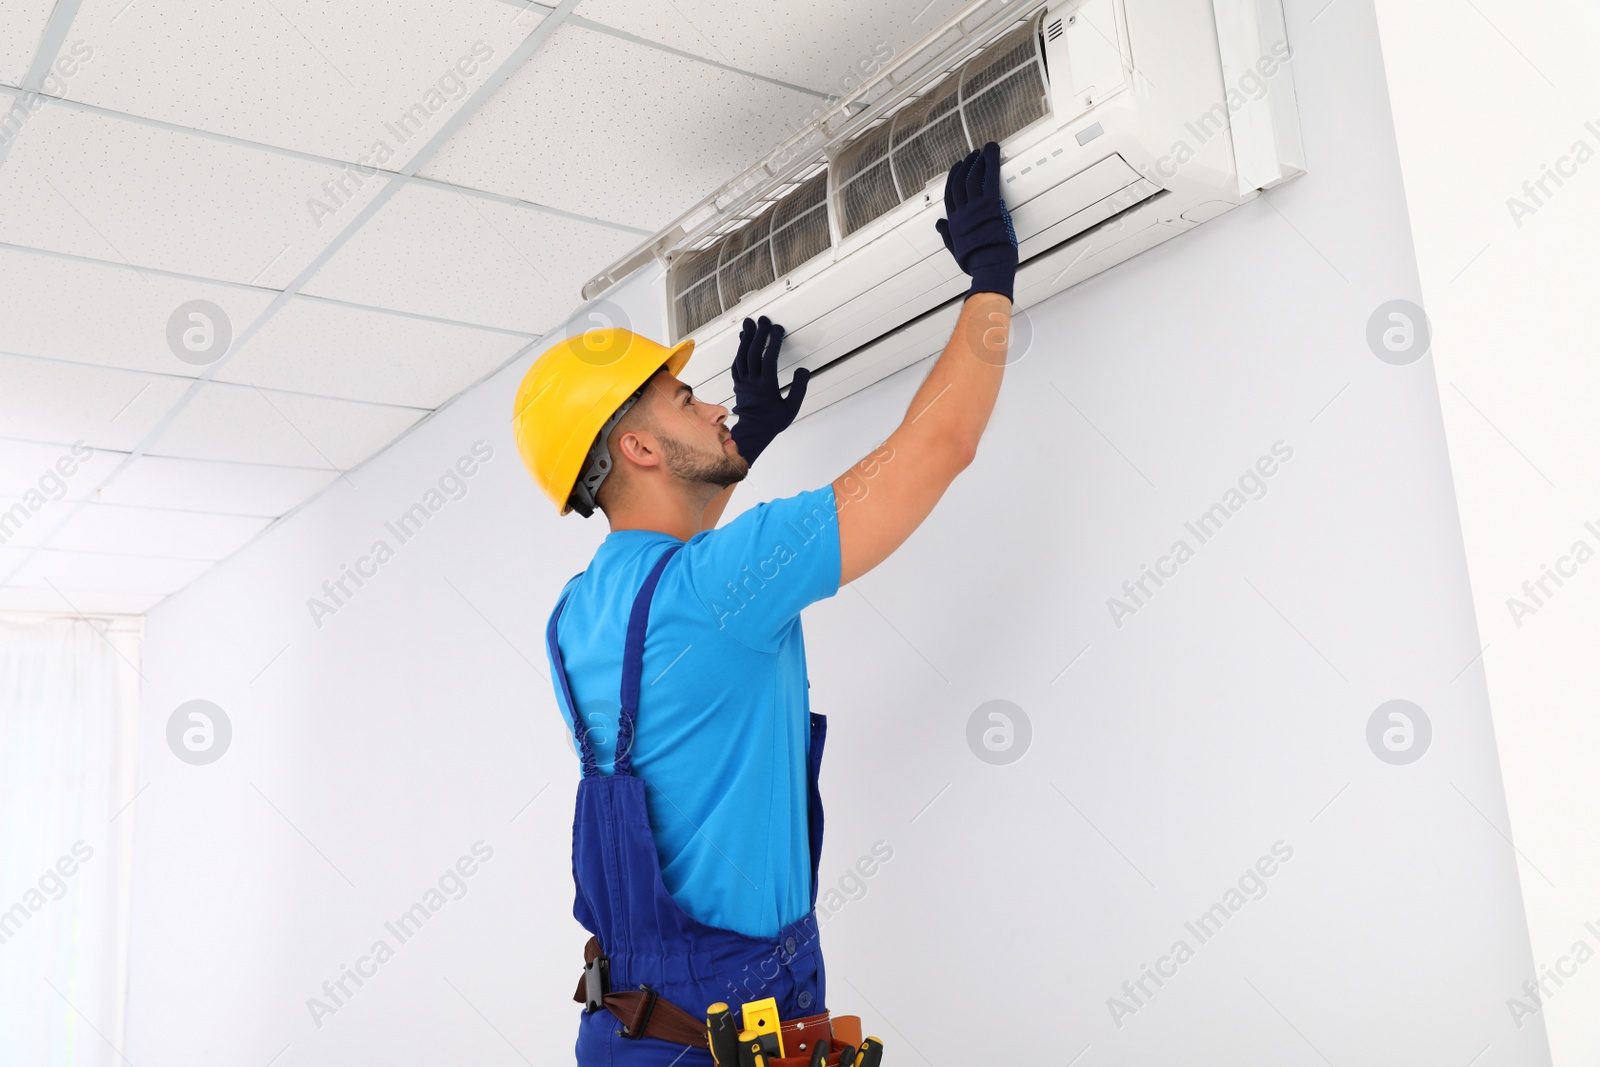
x,y
384,202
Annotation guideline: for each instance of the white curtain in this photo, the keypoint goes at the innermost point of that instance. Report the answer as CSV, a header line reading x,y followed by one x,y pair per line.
x,y
68,713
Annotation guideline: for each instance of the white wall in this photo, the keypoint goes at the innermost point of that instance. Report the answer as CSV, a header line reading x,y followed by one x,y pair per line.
x,y
1511,295
1229,714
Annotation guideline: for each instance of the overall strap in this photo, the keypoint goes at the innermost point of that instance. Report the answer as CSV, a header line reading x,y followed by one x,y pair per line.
x,y
633,662
580,732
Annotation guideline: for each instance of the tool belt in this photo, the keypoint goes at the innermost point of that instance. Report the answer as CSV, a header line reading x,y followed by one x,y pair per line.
x,y
644,1014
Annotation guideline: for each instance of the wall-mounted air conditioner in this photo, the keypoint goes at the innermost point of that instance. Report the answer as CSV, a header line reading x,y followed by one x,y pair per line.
x,y
1122,123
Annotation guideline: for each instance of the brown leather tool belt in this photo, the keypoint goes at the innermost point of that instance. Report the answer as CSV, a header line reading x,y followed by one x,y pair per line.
x,y
644,1014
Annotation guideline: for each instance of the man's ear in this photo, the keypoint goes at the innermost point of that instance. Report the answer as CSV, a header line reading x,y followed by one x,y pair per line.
x,y
632,438
638,446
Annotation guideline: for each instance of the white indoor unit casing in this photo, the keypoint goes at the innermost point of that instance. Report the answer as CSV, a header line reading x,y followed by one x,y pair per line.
x,y
1122,123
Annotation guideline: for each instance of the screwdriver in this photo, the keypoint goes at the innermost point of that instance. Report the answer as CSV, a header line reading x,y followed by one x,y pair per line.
x,y
724,1035
871,1053
755,1049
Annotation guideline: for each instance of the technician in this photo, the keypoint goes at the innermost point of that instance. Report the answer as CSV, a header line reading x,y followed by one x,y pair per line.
x,y
698,826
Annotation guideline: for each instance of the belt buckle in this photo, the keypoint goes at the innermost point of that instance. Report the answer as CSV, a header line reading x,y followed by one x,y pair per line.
x,y
636,1032
596,983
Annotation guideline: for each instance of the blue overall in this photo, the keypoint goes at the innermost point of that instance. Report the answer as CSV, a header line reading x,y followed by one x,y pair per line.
x,y
622,900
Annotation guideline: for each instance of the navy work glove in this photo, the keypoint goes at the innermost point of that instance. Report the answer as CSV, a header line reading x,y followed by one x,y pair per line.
x,y
762,410
978,229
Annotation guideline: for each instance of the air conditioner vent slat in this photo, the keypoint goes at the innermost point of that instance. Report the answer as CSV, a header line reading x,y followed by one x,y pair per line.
x,y
866,184
928,138
695,275
1012,53
800,225
1007,105
998,92
746,261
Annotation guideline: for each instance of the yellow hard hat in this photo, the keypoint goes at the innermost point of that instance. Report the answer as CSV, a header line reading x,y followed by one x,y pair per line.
x,y
572,391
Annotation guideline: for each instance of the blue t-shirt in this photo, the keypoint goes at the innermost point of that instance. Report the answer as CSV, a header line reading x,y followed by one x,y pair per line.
x,y
723,729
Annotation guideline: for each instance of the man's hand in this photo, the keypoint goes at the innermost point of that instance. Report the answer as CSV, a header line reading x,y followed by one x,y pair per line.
x,y
978,228
758,404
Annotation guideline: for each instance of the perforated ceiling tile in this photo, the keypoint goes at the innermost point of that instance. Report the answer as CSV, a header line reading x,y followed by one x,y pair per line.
x,y
130,193
825,46
312,346
107,572
654,132
39,472
249,425
334,80
156,532
22,23
44,400
108,315
470,258
201,485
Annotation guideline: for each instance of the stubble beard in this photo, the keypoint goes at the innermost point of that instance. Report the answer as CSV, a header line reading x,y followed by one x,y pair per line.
x,y
695,467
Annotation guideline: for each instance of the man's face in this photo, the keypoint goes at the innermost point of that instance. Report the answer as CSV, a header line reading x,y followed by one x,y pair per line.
x,y
695,444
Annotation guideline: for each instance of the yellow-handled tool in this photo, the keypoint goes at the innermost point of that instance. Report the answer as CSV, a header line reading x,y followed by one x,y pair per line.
x,y
724,1035
755,1049
761,1017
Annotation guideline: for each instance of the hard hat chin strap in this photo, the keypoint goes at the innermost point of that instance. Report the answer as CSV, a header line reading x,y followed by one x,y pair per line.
x,y
585,494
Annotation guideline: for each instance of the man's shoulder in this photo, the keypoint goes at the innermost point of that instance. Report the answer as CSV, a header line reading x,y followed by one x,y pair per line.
x,y
756,572
804,515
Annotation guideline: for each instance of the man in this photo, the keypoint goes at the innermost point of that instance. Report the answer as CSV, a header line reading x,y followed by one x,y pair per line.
x,y
699,826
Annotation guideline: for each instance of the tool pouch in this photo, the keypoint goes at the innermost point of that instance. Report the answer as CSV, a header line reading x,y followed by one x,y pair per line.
x,y
799,1035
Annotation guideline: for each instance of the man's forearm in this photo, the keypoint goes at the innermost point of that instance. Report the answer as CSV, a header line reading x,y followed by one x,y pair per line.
x,y
953,406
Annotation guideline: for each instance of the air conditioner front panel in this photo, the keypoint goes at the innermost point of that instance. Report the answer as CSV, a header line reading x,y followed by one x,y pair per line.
x,y
875,301
1064,199
886,355
877,308
1087,218
898,299
867,286
1041,277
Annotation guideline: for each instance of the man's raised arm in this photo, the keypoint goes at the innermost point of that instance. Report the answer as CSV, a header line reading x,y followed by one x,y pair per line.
x,y
885,496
